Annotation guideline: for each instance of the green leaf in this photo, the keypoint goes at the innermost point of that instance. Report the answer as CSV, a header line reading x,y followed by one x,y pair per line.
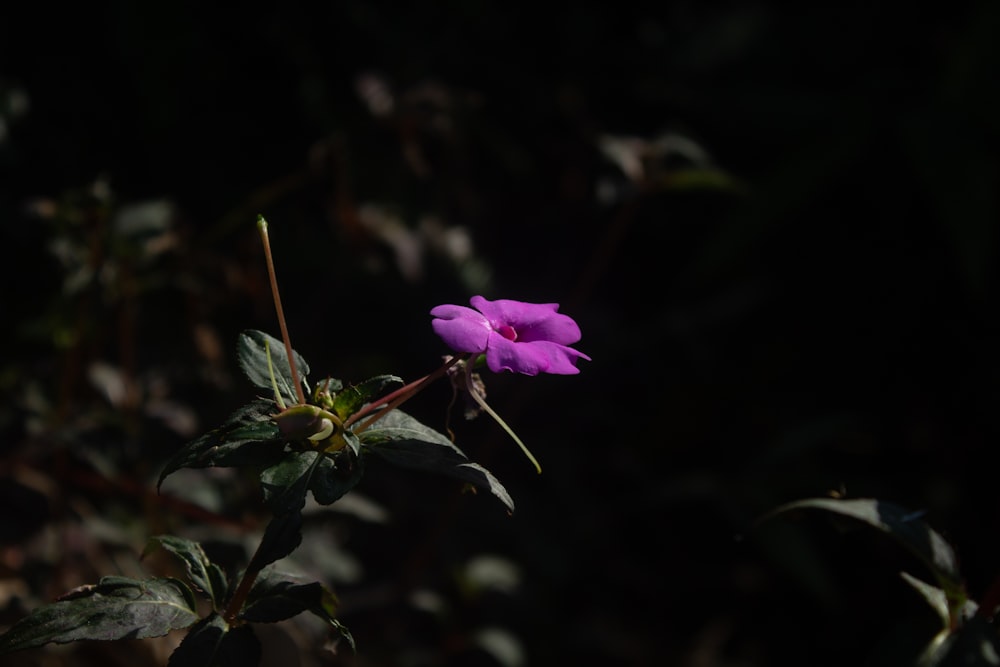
x,y
276,597
354,442
285,484
282,536
249,437
115,608
405,442
336,476
397,425
213,643
350,400
252,356
907,528
203,574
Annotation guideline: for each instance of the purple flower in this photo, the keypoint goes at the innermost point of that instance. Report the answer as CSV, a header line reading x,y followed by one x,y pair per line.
x,y
529,338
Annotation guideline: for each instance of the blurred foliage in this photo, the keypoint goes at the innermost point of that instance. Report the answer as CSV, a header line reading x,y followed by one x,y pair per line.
x,y
776,227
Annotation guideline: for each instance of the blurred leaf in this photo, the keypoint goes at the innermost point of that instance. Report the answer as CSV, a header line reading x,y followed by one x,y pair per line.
x,y
249,437
349,400
974,644
403,441
252,356
212,643
937,599
907,528
116,608
206,576
353,441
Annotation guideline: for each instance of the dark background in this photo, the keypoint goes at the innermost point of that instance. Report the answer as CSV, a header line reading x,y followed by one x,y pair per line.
x,y
795,297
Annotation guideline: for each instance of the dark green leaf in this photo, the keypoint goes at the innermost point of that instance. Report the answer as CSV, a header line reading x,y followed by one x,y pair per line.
x,y
285,484
276,597
116,608
906,527
252,356
398,425
336,476
405,442
212,643
220,583
281,537
249,437
353,442
349,400
199,568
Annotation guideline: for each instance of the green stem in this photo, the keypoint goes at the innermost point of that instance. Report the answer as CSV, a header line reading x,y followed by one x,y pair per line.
x,y
270,370
486,408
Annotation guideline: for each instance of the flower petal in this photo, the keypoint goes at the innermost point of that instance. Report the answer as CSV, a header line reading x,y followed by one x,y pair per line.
x,y
506,355
531,321
562,359
461,328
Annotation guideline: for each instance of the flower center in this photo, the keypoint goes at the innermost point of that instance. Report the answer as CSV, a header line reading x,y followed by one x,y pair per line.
x,y
507,332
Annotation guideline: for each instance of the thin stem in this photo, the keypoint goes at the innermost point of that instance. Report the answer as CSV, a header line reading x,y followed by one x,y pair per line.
x,y
262,227
398,397
486,408
274,382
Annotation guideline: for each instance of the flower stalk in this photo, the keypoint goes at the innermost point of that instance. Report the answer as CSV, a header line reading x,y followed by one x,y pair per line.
x,y
395,399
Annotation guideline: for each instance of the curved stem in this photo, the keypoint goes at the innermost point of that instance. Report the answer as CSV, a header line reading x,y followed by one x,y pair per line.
x,y
488,410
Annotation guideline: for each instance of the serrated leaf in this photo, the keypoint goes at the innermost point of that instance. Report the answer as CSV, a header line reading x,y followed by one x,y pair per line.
x,y
908,529
403,441
276,597
249,437
335,477
197,564
116,608
350,400
213,643
252,355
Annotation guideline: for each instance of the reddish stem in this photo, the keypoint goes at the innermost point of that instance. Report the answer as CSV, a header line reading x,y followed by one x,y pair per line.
x,y
398,397
262,227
